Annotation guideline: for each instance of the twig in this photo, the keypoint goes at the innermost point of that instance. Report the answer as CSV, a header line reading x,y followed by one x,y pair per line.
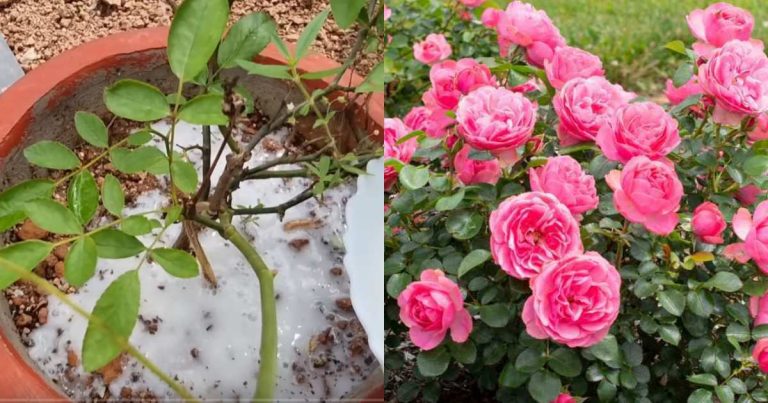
x,y
280,209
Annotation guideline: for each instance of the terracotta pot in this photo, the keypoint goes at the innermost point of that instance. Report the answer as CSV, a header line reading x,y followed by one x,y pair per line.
x,y
42,105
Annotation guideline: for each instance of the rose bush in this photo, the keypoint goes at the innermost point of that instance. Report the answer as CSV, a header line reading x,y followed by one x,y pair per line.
x,y
551,236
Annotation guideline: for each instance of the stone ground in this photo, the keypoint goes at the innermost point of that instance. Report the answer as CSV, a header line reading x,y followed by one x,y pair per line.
x,y
37,30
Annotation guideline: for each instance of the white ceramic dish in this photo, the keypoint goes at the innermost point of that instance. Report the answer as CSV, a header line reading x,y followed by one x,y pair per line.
x,y
364,259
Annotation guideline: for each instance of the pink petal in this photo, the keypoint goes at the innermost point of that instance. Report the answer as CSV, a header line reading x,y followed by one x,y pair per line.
x,y
426,339
696,23
613,179
461,326
627,207
661,224
726,117
742,223
737,252
531,320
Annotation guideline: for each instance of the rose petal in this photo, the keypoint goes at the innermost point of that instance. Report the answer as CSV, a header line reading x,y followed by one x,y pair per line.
x,y
426,339
742,222
461,326
737,252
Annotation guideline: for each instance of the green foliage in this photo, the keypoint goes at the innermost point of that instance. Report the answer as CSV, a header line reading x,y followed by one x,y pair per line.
x,y
204,110
194,38
345,12
176,262
112,195
308,36
112,321
247,37
91,128
116,244
51,154
266,70
136,100
26,254
83,196
52,216
80,263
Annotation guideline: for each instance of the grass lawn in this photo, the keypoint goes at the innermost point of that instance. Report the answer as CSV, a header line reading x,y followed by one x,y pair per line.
x,y
629,35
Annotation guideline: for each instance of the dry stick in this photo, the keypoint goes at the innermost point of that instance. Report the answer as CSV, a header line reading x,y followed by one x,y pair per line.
x,y
191,229
279,209
48,288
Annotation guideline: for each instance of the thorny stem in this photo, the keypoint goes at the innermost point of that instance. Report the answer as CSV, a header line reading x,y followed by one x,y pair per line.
x,y
268,350
50,289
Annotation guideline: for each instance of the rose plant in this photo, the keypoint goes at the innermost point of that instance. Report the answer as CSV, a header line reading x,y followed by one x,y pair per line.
x,y
603,246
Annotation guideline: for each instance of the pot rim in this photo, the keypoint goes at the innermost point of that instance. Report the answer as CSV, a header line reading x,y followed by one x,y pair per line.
x,y
23,380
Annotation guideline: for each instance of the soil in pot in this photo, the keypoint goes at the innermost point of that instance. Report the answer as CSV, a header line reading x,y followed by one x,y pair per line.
x,y
208,337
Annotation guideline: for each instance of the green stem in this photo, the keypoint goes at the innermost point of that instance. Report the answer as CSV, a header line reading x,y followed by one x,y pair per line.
x,y
50,289
267,380
102,228
315,108
90,163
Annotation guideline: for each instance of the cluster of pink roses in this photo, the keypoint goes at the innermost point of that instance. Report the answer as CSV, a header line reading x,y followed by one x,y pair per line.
x,y
535,236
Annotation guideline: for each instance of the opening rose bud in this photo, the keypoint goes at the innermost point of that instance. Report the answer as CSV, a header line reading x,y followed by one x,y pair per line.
x,y
433,49
708,223
563,177
568,63
471,171
760,354
717,24
641,128
394,130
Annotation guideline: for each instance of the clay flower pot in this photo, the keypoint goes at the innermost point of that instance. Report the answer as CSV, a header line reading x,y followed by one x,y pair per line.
x,y
42,105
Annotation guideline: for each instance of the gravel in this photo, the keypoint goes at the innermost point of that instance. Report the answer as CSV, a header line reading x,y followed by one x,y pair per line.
x,y
39,30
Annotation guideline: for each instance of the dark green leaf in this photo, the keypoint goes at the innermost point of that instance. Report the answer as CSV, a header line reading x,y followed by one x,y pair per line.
x,y
195,33
607,351
12,200
53,217
26,254
703,379
724,393
83,196
673,301
530,360
309,34
725,281
397,283
413,177
606,391
511,377
682,74
756,165
80,263
472,260
450,202
204,110
544,386
115,244
465,353
433,362
112,320
565,362
464,224
408,391
494,315
177,263
670,334
700,302
137,101
247,38
92,129
112,195
51,154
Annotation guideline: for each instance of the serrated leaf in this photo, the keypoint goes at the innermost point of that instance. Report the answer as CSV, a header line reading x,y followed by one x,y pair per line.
x,y
136,100
673,301
80,263
184,176
26,254
278,71
115,244
52,155
83,196
177,263
309,34
112,195
114,316
494,315
195,33
92,129
53,217
204,109
530,360
247,38
472,260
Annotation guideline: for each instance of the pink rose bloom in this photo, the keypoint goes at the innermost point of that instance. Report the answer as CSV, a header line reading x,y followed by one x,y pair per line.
x,y
472,3
531,229
736,76
453,79
471,171
647,192
568,63
387,13
430,307
531,85
760,131
497,120
523,25
584,105
563,177
708,223
395,129
491,17
432,50
758,308
640,128
676,95
574,300
754,232
564,398
432,121
760,354
718,24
